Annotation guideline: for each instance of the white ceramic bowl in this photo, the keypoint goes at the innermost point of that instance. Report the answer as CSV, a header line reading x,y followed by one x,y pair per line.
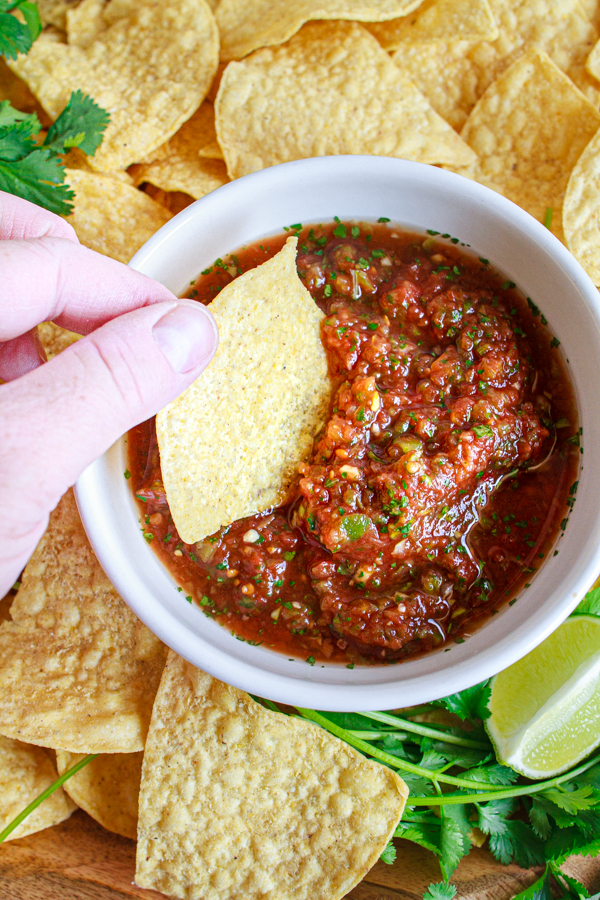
x,y
419,197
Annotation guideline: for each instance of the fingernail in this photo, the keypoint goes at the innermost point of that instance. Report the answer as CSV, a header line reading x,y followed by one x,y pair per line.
x,y
188,336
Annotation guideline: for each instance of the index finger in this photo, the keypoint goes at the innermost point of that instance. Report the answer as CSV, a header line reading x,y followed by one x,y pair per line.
x,y
50,278
20,219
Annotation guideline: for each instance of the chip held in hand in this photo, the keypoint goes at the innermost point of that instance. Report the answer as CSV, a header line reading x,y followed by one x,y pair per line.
x,y
230,445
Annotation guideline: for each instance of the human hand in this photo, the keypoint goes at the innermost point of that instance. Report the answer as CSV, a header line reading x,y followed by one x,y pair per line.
x,y
143,348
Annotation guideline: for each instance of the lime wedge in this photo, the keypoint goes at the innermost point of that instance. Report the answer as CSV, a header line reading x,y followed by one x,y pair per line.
x,y
545,709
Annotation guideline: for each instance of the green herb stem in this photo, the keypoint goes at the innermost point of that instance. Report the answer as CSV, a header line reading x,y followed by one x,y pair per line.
x,y
426,731
386,758
504,793
377,735
45,794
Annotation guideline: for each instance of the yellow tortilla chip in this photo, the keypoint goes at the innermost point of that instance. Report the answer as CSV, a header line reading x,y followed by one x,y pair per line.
x,y
111,216
593,62
581,210
55,339
177,165
260,402
528,130
242,803
331,90
77,669
54,12
245,27
439,20
26,771
150,69
454,75
107,788
174,201
14,89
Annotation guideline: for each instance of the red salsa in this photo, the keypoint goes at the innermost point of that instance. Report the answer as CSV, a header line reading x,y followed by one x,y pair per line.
x,y
440,481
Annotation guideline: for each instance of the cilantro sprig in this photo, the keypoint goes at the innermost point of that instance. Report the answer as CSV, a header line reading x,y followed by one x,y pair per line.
x,y
33,168
20,25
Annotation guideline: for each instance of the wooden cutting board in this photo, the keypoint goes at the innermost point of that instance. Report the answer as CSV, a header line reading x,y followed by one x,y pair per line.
x,y
79,860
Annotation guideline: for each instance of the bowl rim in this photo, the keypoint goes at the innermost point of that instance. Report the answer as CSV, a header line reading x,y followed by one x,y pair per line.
x,y
288,688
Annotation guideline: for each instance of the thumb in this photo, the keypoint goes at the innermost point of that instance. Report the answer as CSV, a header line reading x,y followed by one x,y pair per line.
x,y
57,419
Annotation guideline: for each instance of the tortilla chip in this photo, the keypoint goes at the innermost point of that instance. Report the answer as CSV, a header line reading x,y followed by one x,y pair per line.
x,y
177,165
174,201
150,70
439,20
85,22
5,605
245,27
55,339
214,88
528,130
77,669
239,802
111,216
107,788
454,75
331,90
54,12
14,89
260,402
581,210
26,771
593,62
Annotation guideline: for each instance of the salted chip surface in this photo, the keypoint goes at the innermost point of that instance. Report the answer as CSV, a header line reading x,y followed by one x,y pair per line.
x,y
230,445
581,210
330,90
245,27
240,803
77,669
26,771
438,20
107,788
150,65
111,216
528,131
178,165
454,75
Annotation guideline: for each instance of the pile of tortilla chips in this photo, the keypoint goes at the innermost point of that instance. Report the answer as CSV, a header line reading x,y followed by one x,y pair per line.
x,y
503,91
234,800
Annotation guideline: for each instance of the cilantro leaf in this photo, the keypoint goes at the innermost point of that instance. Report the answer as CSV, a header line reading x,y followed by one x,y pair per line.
x,y
494,774
16,140
573,801
455,842
590,605
564,842
389,855
517,842
425,835
492,816
17,36
440,891
82,124
38,178
539,890
539,820
9,115
575,889
469,704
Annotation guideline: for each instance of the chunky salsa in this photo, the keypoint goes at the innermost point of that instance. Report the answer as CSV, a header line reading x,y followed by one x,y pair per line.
x,y
440,481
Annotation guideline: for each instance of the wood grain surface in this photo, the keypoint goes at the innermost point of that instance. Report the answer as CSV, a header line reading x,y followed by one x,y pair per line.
x,y
79,860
